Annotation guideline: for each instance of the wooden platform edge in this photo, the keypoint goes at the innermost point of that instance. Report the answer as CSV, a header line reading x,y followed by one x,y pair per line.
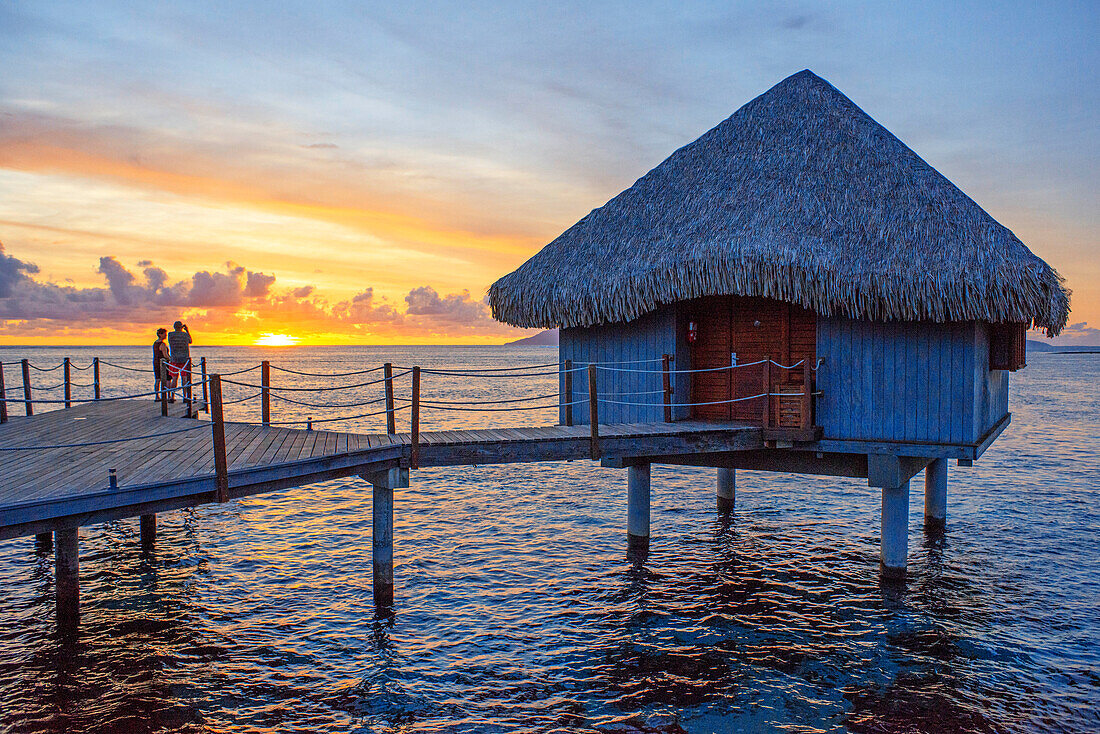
x,y
44,515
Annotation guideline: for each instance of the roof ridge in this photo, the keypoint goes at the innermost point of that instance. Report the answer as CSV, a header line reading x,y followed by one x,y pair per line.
x,y
798,176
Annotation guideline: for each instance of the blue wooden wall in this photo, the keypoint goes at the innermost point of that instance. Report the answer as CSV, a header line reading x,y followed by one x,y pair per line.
x,y
645,338
907,381
895,381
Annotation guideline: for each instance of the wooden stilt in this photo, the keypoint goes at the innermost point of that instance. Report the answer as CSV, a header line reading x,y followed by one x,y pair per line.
x,y
382,540
594,451
43,542
935,495
637,507
217,428
727,489
414,450
67,577
148,530
895,531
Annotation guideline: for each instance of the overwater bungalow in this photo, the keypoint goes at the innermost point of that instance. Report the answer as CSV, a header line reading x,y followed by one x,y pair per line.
x,y
803,270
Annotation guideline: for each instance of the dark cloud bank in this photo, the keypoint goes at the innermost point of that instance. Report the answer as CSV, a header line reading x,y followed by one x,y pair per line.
x,y
235,299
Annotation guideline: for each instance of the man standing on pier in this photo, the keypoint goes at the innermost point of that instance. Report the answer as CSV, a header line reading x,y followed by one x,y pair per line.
x,y
179,355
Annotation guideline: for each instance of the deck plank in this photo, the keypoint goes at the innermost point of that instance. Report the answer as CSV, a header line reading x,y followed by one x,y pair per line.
x,y
62,477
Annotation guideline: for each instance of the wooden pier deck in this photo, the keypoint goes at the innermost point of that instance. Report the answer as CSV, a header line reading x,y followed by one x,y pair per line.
x,y
56,484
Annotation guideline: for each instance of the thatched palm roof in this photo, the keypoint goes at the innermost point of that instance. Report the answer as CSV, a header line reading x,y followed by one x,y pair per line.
x,y
798,196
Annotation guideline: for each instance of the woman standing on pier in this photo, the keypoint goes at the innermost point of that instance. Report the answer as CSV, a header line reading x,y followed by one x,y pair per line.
x,y
160,353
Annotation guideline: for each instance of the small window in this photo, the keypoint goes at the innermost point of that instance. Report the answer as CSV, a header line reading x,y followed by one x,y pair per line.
x,y
1007,346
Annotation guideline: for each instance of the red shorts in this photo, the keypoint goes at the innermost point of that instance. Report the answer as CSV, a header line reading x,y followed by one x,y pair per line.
x,y
182,371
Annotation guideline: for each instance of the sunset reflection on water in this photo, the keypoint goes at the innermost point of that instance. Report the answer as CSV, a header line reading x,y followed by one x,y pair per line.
x,y
518,610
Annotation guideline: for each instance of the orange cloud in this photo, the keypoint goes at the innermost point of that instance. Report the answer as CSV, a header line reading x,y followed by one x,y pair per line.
x,y
232,305
345,194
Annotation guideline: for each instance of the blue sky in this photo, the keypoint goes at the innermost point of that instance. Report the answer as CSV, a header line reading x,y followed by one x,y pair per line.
x,y
351,146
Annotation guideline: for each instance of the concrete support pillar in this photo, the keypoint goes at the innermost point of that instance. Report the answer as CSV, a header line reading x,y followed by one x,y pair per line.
x,y
895,531
67,578
148,530
935,495
727,489
637,507
382,541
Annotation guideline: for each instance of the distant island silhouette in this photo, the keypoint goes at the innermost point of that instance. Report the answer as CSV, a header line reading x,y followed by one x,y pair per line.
x,y
1037,346
548,338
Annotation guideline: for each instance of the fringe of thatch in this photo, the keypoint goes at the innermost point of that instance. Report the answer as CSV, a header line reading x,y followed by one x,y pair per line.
x,y
799,196
1035,296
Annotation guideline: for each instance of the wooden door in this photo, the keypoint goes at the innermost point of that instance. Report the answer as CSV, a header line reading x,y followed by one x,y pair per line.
x,y
742,330
710,351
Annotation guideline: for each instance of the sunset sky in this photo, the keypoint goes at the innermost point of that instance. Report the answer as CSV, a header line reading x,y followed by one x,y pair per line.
x,y
359,172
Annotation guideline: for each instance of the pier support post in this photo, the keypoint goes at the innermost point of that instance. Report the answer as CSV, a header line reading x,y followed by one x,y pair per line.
x,y
935,495
148,530
637,508
67,577
727,489
383,485
895,531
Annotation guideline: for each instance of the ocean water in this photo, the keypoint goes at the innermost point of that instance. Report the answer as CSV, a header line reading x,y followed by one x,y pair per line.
x,y
517,608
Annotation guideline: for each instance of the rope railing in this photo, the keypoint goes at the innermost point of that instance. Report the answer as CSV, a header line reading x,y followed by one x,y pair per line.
x,y
110,398
460,373
326,405
488,402
491,410
45,369
124,367
325,374
311,421
213,402
280,388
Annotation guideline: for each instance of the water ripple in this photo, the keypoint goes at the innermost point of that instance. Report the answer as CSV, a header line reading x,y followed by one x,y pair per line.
x,y
518,610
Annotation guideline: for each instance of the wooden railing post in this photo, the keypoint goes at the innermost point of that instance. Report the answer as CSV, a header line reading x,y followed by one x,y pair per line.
x,y
3,397
414,456
265,392
807,394
95,377
205,388
67,370
164,388
767,385
187,387
391,419
593,414
217,427
667,377
28,405
568,392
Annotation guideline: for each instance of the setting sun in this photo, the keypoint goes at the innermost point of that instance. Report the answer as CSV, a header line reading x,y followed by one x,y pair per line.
x,y
275,340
